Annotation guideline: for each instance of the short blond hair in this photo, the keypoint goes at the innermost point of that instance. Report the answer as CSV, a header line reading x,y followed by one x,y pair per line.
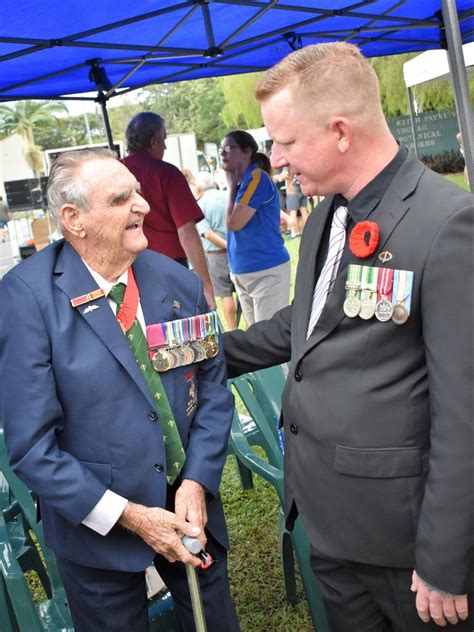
x,y
333,77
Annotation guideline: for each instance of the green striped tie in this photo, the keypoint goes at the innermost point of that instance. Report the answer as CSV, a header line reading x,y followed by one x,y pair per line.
x,y
175,454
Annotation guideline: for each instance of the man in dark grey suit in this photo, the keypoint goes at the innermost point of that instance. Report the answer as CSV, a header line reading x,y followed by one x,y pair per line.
x,y
377,408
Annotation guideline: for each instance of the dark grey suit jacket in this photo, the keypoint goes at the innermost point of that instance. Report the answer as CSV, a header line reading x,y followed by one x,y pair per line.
x,y
378,417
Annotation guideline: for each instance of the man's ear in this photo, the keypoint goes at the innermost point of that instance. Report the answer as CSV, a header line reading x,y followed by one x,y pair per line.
x,y
71,220
342,129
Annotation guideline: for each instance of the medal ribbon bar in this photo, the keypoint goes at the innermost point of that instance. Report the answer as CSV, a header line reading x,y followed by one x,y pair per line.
x,y
384,283
402,288
87,298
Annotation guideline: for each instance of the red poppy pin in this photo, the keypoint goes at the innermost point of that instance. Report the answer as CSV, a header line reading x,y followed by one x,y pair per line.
x,y
364,239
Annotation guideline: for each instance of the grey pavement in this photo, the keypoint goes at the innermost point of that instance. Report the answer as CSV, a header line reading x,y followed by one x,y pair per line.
x,y
6,258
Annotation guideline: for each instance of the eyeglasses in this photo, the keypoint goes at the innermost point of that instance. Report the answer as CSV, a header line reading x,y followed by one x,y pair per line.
x,y
225,149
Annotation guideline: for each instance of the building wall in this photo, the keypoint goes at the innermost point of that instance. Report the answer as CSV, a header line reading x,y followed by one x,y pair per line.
x,y
13,164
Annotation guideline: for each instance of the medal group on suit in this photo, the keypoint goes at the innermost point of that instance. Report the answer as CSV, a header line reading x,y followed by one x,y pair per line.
x,y
381,292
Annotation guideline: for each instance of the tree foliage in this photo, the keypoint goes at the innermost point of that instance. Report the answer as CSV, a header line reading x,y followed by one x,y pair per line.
x,y
26,118
434,95
186,106
70,131
241,109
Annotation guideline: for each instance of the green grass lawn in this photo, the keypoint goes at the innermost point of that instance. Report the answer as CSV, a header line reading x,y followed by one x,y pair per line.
x,y
254,561
457,178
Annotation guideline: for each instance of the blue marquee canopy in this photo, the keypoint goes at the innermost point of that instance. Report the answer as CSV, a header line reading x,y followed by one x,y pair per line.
x,y
59,48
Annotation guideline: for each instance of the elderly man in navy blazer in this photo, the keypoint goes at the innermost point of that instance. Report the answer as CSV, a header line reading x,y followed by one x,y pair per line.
x,y
88,420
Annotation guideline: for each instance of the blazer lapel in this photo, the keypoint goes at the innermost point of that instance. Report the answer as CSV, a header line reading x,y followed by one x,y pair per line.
x,y
74,280
387,215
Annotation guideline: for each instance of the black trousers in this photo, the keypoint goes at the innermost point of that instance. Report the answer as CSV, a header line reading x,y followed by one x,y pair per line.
x,y
365,598
115,601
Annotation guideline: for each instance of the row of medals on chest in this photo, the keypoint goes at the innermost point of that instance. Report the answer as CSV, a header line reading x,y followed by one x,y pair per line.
x,y
167,358
367,306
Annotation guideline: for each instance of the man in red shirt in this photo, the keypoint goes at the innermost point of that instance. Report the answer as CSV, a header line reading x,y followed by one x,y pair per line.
x,y
170,227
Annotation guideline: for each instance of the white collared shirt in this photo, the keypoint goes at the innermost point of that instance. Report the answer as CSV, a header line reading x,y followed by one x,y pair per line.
x,y
110,507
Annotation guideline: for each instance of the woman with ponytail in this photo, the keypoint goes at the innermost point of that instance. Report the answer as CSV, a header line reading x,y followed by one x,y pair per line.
x,y
258,259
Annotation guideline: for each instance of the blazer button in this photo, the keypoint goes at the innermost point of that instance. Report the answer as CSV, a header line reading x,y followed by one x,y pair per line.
x,y
294,429
298,375
152,416
159,467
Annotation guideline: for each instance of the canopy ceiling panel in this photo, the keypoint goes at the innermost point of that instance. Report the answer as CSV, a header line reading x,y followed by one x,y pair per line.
x,y
47,48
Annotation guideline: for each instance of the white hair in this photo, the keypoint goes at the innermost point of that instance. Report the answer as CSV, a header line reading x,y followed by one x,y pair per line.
x,y
204,181
64,185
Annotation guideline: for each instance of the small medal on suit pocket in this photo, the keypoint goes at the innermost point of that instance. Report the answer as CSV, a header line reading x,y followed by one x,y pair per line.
x,y
368,290
384,306
402,295
351,304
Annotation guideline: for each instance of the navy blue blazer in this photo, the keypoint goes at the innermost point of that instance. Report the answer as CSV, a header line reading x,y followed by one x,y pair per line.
x,y
76,409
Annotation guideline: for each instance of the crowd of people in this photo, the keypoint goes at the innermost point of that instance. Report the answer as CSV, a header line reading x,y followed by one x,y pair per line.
x,y
113,366
242,249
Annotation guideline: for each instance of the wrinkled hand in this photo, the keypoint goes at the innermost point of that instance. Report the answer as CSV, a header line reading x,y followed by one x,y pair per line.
x,y
443,608
190,505
161,530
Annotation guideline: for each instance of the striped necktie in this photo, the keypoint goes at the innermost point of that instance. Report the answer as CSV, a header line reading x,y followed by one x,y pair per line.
x,y
327,278
175,454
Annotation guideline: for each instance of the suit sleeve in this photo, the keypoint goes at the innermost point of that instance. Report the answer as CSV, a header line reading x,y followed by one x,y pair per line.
x,y
30,409
266,343
208,437
444,542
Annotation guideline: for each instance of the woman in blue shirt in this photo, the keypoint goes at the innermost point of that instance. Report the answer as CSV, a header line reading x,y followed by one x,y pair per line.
x,y
258,259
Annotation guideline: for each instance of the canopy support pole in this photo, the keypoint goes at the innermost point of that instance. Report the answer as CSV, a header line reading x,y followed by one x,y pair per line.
x,y
460,83
412,121
105,116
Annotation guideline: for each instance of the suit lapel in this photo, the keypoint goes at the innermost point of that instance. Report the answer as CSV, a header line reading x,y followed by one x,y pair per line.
x,y
387,215
306,267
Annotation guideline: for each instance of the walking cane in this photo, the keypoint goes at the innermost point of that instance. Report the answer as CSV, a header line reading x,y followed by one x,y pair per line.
x,y
194,546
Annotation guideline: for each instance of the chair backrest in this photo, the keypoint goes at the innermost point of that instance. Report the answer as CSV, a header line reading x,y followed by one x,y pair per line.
x,y
17,605
269,384
27,506
268,437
